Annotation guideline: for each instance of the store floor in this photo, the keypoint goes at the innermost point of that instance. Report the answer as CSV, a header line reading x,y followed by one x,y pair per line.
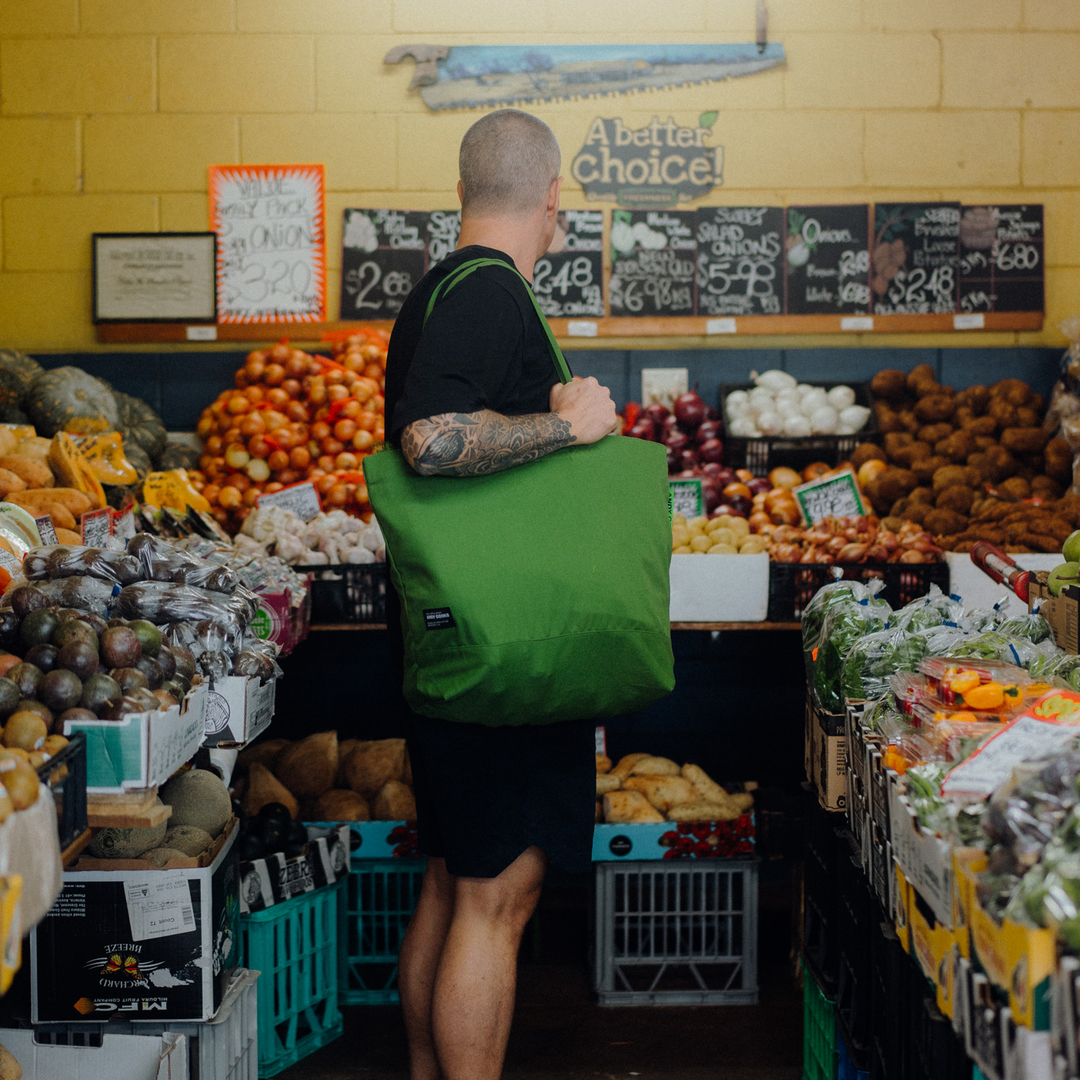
x,y
560,1033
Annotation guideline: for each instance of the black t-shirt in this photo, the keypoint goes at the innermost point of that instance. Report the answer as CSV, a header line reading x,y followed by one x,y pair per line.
x,y
483,347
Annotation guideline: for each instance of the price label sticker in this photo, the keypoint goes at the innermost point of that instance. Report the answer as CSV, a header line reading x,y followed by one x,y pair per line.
x,y
832,496
124,523
975,321
581,328
200,333
857,322
302,499
686,498
96,527
46,530
720,326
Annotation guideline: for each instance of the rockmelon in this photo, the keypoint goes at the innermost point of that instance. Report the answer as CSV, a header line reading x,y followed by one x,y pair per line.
x,y
159,856
308,768
189,839
200,798
126,843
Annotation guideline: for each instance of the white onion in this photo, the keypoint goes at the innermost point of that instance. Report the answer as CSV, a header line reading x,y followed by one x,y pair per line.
x,y
737,399
797,426
775,380
854,417
760,395
787,402
770,422
823,421
840,397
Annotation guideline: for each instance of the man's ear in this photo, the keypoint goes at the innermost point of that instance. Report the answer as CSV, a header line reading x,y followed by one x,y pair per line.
x,y
554,191
460,192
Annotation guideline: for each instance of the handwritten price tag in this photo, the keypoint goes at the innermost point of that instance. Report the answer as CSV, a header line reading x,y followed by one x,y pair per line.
x,y
301,499
96,527
833,496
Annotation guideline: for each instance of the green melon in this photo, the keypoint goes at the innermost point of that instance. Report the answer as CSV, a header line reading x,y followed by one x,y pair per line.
x,y
200,798
159,856
70,399
126,843
188,839
141,425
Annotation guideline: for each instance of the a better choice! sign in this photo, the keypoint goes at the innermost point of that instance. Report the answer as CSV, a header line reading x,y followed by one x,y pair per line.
x,y
660,164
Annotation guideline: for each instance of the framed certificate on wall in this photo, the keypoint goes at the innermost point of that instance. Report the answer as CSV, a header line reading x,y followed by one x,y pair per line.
x,y
154,277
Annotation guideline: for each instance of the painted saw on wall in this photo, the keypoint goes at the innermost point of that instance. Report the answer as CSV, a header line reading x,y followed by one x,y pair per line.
x,y
462,77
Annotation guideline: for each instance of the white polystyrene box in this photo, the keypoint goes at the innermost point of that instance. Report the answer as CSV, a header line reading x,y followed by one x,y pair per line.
x,y
719,588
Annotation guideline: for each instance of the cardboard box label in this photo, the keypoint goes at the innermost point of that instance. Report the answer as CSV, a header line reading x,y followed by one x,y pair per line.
x,y
237,710
159,908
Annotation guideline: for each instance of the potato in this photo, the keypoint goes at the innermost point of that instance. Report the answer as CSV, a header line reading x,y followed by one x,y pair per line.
x,y
921,377
981,425
890,385
1015,487
975,398
956,447
654,766
629,807
935,408
865,452
394,802
1014,391
1058,458
934,433
912,452
1021,440
605,782
625,764
887,418
663,792
924,468
958,497
943,522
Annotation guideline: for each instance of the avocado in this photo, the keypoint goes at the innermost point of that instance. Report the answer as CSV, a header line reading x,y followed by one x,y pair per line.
x,y
120,647
38,626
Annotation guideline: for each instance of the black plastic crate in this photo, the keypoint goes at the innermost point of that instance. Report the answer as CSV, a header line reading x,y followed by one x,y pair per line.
x,y
857,921
64,774
348,593
792,585
820,923
936,1052
891,978
765,452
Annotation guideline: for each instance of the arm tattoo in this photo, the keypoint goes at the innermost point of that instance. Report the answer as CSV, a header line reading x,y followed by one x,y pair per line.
x,y
474,444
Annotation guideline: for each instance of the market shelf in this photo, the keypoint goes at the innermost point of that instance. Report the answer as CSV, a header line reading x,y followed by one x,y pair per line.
x,y
674,626
131,333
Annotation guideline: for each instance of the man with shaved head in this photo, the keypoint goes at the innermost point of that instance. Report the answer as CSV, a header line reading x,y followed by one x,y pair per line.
x,y
471,391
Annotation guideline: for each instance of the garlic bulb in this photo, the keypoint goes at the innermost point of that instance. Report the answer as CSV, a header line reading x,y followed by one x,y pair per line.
x,y
775,380
770,422
841,397
854,417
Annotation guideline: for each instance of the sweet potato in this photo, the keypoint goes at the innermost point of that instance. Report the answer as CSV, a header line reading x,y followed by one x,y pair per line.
x,y
36,473
10,482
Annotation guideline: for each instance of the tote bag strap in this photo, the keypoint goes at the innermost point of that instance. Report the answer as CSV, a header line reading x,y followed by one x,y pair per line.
x,y
465,269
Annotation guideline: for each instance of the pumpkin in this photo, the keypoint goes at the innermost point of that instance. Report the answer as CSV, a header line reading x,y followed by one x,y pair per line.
x,y
137,457
70,399
69,464
12,414
17,374
178,455
139,423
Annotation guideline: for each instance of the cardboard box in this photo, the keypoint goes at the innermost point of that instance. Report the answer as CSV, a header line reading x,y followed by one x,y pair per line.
x,y
720,588
141,750
902,909
826,756
675,840
925,859
1061,612
139,944
269,881
981,1021
186,862
933,949
379,839
10,930
237,710
127,1057
1018,960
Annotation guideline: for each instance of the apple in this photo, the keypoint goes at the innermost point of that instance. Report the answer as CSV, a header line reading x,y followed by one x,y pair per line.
x,y
759,486
739,504
711,450
1068,573
1070,550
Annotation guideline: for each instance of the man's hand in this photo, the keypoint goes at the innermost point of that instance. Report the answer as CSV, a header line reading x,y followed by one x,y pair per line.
x,y
587,407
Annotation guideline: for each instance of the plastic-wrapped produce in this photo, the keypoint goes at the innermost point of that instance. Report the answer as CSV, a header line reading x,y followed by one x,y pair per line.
x,y
933,609
845,623
829,596
165,602
85,593
256,665
1032,627
70,560
165,561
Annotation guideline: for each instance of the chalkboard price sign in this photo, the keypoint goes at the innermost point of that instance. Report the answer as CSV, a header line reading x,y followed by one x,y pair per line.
x,y
827,260
740,253
271,252
914,258
443,229
653,262
568,280
1001,258
384,254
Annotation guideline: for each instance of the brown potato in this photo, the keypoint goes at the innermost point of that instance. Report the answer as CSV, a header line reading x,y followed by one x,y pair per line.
x,y
975,398
1015,487
910,421
1026,416
933,408
920,377
924,468
1004,412
917,511
922,494
886,417
1058,458
890,385
943,522
954,474
912,452
1020,440
981,425
865,452
896,439
1014,391
1046,487
958,497
934,433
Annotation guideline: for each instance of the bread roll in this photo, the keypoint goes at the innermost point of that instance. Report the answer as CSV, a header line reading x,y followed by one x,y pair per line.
x,y
629,808
654,766
663,792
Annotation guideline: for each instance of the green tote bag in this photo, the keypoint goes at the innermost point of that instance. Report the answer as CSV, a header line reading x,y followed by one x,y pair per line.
x,y
536,594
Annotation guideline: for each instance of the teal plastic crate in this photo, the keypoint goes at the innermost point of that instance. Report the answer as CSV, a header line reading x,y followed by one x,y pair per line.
x,y
295,946
380,899
821,1058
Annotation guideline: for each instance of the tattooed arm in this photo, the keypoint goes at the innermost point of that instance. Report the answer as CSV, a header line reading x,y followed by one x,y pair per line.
x,y
473,444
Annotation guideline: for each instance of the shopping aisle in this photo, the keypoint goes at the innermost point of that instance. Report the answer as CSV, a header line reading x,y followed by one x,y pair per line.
x,y
561,1034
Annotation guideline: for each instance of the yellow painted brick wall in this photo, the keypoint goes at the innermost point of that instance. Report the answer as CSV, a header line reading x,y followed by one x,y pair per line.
x,y
111,111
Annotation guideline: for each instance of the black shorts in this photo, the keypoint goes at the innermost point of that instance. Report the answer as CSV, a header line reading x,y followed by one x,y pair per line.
x,y
485,794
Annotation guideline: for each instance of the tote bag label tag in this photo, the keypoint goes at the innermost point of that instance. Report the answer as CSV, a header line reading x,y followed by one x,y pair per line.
x,y
438,618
